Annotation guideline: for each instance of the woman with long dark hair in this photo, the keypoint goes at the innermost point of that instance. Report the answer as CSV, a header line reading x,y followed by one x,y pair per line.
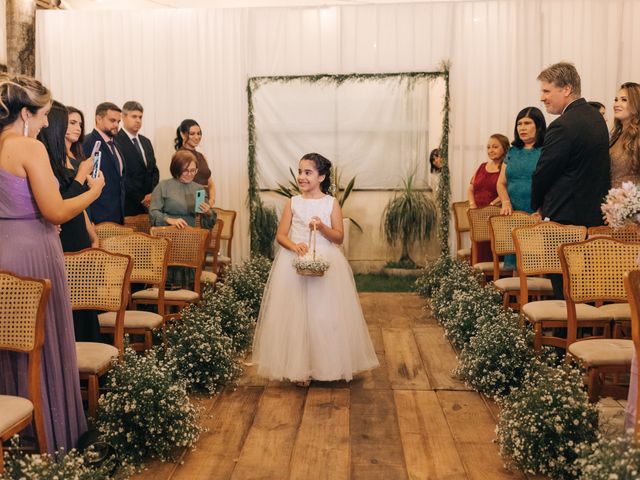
x,y
188,137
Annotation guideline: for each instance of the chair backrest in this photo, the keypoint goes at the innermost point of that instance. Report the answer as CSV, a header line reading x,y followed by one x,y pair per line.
x,y
229,219
99,280
628,233
593,270
479,227
149,254
187,247
460,220
214,242
632,285
139,223
110,229
500,228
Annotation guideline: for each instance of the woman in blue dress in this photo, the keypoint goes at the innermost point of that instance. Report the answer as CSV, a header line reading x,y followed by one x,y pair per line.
x,y
514,183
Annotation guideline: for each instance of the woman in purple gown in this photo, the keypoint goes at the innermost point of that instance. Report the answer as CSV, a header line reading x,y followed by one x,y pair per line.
x,y
30,209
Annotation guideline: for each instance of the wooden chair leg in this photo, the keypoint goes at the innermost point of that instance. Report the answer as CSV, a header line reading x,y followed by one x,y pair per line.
x,y
92,395
594,387
537,342
148,340
1,458
39,428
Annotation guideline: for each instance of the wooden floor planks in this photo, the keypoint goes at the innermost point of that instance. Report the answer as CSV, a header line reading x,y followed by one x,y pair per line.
x,y
408,419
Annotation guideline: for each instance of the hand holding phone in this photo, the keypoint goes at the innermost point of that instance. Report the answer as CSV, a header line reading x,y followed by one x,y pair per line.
x,y
96,164
200,199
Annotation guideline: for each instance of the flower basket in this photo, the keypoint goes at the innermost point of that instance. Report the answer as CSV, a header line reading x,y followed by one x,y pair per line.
x,y
311,265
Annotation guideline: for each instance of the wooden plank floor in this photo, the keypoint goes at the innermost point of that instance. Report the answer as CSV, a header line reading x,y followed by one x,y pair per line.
x,y
408,419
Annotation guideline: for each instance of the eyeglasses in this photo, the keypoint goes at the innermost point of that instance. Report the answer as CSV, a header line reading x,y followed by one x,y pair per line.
x,y
191,171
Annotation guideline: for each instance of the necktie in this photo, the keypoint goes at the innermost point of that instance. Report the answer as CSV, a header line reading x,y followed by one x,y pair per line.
x,y
138,149
114,152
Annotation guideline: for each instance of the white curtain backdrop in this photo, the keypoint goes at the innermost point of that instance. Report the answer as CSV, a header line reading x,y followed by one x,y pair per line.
x,y
195,64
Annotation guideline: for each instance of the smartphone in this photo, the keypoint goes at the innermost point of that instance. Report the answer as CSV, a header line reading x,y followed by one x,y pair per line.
x,y
200,198
96,163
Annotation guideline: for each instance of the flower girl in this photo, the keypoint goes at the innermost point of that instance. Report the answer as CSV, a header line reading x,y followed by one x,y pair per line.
x,y
311,327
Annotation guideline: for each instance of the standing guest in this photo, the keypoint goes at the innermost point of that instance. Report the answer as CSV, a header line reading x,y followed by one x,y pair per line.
x,y
574,172
435,162
141,172
624,148
483,190
75,136
188,136
30,209
77,233
110,206
599,106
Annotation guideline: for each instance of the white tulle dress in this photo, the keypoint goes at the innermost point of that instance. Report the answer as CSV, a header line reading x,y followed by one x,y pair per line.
x,y
311,327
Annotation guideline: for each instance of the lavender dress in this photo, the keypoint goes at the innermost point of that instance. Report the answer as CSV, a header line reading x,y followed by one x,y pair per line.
x,y
29,245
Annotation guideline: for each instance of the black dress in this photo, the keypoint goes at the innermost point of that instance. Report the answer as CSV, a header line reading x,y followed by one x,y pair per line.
x,y
74,237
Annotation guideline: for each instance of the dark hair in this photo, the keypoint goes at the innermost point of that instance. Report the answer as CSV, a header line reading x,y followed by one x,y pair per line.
x,y
76,147
432,158
132,106
323,165
536,115
18,92
53,139
184,128
104,107
181,160
596,105
504,143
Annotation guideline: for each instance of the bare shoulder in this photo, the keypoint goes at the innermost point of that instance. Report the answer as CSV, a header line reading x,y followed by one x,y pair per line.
x,y
24,146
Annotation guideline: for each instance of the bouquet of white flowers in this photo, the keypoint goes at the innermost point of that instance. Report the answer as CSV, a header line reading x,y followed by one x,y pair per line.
x,y
622,205
311,264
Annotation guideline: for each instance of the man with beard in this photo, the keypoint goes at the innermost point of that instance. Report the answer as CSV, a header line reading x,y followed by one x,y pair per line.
x,y
109,207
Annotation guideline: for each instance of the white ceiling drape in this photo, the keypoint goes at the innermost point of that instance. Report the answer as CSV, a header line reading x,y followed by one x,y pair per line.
x,y
195,64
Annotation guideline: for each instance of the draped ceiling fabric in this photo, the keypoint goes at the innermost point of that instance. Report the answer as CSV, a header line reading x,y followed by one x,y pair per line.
x,y
195,64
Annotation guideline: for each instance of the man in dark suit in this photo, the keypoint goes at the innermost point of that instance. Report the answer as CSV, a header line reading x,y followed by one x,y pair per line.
x,y
109,207
573,174
142,174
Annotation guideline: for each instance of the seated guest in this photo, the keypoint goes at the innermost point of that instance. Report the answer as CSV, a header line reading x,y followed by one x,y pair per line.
x,y
188,136
141,172
110,206
173,203
77,233
624,147
482,189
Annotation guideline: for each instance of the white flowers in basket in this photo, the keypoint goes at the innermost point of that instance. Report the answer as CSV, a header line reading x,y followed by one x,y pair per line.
x,y
622,205
311,264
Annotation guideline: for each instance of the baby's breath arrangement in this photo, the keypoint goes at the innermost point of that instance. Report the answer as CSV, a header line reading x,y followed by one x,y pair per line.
x,y
468,310
545,423
205,356
433,275
496,359
310,263
234,315
248,280
612,459
61,465
146,412
461,277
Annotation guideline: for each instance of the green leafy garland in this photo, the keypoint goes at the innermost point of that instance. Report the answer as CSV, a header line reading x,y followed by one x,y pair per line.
x,y
256,207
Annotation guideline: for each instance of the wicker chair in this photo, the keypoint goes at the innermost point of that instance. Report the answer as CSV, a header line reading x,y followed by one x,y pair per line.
x,y
632,285
139,223
211,254
479,232
461,225
98,280
186,250
229,219
110,229
149,255
593,271
628,233
537,254
23,302
500,228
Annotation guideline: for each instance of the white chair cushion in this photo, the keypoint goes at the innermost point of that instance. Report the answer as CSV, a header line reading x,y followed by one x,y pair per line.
x,y
208,277
556,311
179,295
603,351
132,319
464,252
487,267
620,312
14,410
537,284
94,357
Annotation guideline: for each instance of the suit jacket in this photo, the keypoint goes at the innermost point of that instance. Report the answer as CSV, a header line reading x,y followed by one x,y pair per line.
x,y
109,207
573,174
140,179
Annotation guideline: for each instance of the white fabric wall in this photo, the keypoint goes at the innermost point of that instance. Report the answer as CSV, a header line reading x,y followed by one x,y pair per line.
x,y
195,63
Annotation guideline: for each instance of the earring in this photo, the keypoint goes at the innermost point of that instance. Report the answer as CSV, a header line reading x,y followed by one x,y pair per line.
x,y
25,129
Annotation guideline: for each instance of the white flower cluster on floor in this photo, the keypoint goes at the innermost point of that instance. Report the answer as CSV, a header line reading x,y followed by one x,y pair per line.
x,y
546,423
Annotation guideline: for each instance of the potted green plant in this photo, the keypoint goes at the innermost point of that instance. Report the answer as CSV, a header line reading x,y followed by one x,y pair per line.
x,y
408,218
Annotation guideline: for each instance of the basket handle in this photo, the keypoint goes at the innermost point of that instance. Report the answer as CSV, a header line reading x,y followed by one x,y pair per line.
x,y
312,237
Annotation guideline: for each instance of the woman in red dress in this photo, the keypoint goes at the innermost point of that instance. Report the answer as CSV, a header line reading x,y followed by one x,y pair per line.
x,y
482,190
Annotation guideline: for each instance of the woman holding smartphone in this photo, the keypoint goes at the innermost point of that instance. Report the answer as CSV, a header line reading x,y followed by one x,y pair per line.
x,y
188,137
173,202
